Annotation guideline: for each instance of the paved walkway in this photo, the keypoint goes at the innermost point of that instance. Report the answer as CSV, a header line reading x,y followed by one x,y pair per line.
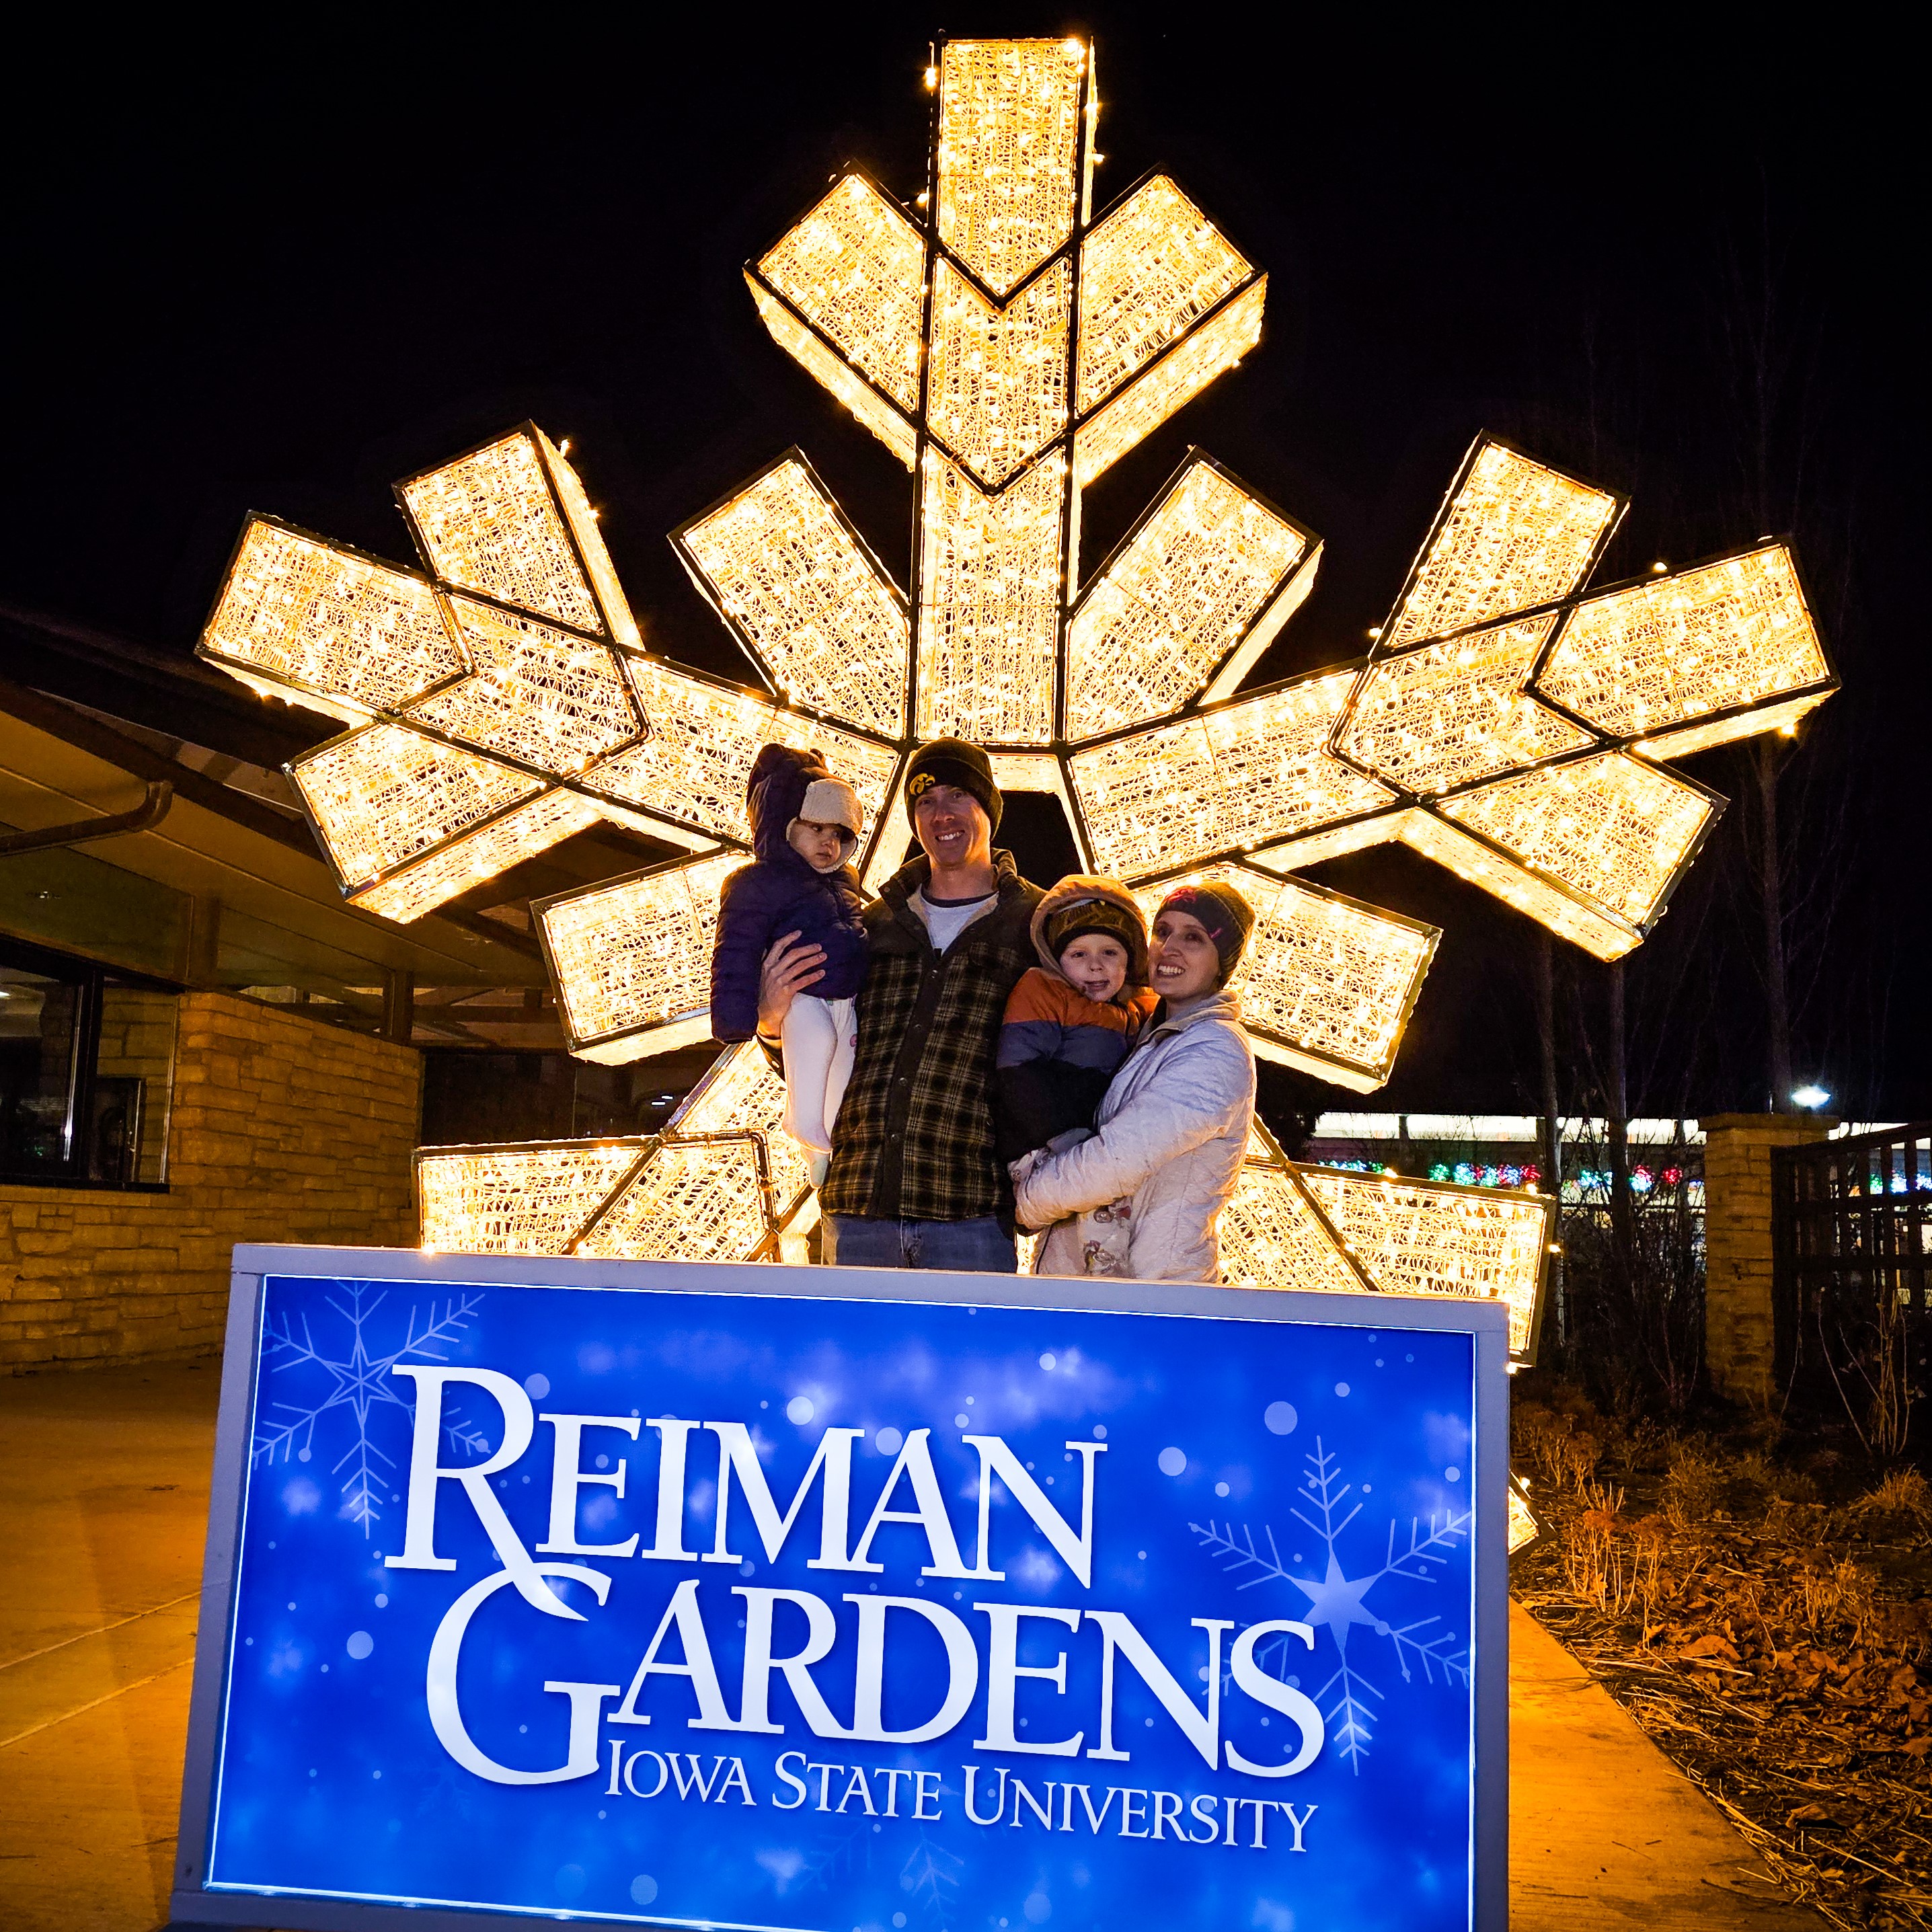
x,y
105,1488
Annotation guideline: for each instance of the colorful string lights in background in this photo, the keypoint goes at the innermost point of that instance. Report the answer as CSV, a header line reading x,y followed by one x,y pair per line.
x,y
1008,347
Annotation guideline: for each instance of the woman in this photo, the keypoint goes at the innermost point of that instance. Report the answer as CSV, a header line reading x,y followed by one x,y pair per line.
x,y
1174,1126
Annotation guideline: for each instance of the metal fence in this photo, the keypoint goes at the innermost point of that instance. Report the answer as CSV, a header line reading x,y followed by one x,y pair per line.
x,y
1852,1241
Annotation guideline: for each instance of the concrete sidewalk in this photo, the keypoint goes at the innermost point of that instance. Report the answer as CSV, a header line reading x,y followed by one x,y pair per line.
x,y
101,1517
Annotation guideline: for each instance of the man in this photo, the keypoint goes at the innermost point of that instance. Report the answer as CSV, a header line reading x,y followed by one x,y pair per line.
x,y
914,1180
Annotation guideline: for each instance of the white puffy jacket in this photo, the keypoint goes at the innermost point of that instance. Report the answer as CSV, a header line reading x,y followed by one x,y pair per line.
x,y
1172,1131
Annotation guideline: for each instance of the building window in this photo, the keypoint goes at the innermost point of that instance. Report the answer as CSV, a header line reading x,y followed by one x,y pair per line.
x,y
87,1060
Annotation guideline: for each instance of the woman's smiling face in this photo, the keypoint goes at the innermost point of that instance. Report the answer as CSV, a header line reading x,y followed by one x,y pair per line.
x,y
1186,963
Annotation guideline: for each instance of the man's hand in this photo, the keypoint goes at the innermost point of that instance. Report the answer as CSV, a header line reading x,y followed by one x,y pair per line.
x,y
789,968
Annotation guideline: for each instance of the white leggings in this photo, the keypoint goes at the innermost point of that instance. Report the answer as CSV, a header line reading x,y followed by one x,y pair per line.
x,y
818,1038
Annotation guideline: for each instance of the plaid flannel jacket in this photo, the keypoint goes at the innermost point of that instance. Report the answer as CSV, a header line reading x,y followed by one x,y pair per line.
x,y
914,1138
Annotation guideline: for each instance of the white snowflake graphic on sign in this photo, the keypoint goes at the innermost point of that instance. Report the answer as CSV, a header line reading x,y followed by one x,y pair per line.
x,y
930,1879
1339,1601
353,1377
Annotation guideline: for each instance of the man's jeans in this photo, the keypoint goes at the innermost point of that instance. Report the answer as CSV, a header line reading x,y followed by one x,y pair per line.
x,y
978,1246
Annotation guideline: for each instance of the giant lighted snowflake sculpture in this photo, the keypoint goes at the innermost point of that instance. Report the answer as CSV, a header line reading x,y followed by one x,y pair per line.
x,y
1008,347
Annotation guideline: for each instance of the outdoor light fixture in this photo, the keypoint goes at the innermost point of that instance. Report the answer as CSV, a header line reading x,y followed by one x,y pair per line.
x,y
1007,347
1809,1096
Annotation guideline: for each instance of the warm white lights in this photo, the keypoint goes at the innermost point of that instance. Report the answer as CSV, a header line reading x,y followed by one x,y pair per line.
x,y
634,954
1524,1528
1290,1226
1695,659
990,610
341,633
852,268
1149,273
1427,1238
1008,347
1203,580
1009,165
793,579
1257,768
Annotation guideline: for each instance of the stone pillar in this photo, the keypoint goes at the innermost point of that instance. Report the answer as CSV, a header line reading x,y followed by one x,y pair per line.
x,y
1738,1340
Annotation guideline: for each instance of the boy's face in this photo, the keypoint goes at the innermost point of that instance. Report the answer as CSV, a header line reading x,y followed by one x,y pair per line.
x,y
822,846
1095,965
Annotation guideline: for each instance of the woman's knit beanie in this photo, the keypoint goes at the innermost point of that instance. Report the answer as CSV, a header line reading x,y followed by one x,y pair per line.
x,y
1226,917
1104,917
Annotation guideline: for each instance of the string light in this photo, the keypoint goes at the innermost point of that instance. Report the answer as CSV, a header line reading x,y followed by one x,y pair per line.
x,y
1524,1528
997,393
1420,1237
852,268
1446,714
1727,638
634,957
495,521
1272,1234
1614,830
1177,378
384,795
836,374
465,863
1184,593
1514,533
1149,273
787,572
694,1200
341,633
1505,724
1328,1228
691,772
1009,131
517,1200
1247,772
741,1093
1469,1175
536,693
989,573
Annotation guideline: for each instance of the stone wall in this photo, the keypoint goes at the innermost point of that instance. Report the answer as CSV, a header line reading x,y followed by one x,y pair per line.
x,y
281,1129
1738,1342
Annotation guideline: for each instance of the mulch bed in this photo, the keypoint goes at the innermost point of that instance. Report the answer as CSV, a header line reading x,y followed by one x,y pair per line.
x,y
1767,1623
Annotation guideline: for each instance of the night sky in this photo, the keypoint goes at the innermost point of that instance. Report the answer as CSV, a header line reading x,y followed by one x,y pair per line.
x,y
279,267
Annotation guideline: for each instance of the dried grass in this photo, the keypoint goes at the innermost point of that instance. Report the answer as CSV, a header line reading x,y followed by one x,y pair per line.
x,y
1786,1673
1695,1486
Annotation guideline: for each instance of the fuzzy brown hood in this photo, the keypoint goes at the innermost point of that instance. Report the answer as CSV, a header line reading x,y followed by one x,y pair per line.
x,y
1074,889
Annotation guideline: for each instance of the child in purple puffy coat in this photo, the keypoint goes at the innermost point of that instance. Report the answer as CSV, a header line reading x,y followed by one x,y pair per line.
x,y
806,825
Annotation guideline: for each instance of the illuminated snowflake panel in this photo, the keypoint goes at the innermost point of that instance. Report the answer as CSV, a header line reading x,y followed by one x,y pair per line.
x,y
793,580
1149,273
853,268
1726,638
516,1200
1195,585
347,635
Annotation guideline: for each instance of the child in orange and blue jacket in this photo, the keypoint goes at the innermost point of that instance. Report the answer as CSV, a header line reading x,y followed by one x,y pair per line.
x,y
1072,1019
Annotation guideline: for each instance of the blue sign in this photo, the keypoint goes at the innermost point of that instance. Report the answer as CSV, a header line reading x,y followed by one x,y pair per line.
x,y
662,1595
